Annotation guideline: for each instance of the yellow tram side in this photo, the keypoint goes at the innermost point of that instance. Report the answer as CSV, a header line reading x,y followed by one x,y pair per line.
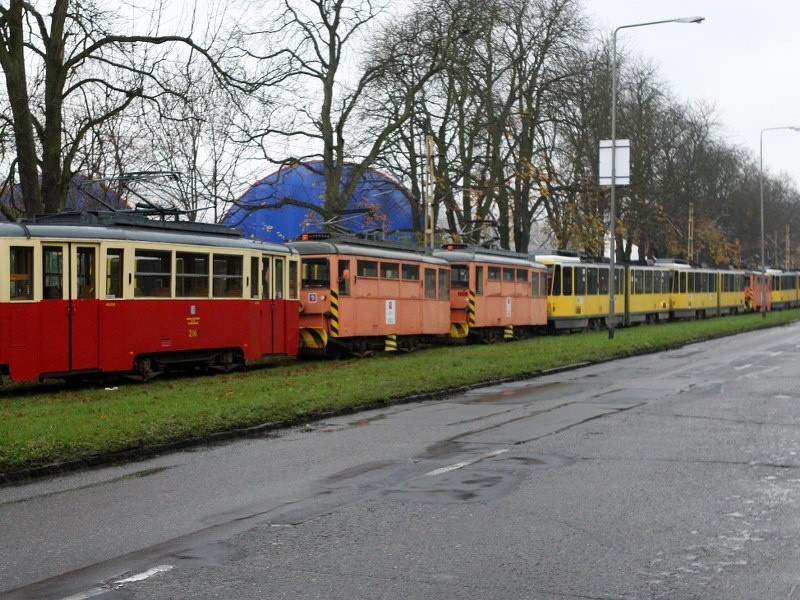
x,y
578,294
784,293
647,300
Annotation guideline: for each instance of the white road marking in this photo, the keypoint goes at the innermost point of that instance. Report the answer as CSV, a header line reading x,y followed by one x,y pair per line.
x,y
747,366
146,574
466,463
132,579
87,594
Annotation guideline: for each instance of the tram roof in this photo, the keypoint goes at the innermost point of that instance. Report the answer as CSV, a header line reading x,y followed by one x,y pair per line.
x,y
461,253
99,226
363,247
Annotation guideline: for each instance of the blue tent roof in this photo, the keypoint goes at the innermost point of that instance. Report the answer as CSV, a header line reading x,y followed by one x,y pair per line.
x,y
276,209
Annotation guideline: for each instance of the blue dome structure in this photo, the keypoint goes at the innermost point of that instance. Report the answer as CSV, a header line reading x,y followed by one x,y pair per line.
x,y
281,206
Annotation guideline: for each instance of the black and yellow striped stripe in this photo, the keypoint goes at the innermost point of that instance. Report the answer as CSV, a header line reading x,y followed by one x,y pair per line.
x,y
471,309
458,329
313,338
508,332
334,321
390,344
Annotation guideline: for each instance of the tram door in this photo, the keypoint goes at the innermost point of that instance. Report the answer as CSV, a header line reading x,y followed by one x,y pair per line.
x,y
54,349
267,287
70,313
84,308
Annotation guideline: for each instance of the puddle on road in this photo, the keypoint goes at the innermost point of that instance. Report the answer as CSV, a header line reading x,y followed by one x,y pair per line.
x,y
443,449
359,470
369,421
145,473
216,554
513,393
475,483
469,485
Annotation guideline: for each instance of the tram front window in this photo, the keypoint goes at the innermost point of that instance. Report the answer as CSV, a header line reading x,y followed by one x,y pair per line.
x,y
316,273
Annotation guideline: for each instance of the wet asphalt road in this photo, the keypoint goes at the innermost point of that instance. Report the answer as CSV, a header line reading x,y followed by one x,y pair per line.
x,y
667,476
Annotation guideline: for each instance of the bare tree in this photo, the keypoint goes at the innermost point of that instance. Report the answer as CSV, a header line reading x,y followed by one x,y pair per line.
x,y
313,42
68,70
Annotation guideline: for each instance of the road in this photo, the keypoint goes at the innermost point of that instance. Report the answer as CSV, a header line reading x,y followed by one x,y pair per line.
x,y
673,475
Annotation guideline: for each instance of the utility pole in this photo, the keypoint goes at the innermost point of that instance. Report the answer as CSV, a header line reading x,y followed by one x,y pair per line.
x,y
788,250
430,227
690,243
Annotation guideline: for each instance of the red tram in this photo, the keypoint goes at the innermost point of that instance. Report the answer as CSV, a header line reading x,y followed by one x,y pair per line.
x,y
91,293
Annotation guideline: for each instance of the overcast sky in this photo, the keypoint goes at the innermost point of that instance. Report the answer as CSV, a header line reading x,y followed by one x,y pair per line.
x,y
743,59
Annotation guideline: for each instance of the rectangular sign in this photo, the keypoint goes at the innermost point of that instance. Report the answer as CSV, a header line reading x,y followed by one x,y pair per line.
x,y
623,162
391,308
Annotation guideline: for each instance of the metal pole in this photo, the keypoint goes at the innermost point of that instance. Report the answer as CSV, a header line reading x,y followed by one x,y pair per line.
x,y
613,201
761,194
613,206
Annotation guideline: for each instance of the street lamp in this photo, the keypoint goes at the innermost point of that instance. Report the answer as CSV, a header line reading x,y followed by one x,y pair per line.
x,y
613,217
761,192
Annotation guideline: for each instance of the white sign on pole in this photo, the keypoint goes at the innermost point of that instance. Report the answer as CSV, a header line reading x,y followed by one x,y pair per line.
x,y
623,160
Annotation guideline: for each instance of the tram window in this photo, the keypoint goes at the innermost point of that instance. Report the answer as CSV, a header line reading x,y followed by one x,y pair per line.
x,y
367,268
619,282
580,281
294,272
534,284
567,281
555,276
315,273
227,276
86,273
254,277
479,280
459,277
153,273
430,283
522,275
494,273
191,275
591,281
410,272
648,282
344,277
602,287
279,278
658,282
444,284
638,282
390,270
265,283
53,272
508,274
114,273
682,281
21,273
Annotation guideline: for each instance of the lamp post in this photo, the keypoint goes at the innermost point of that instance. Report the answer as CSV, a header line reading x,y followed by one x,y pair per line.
x,y
761,193
613,217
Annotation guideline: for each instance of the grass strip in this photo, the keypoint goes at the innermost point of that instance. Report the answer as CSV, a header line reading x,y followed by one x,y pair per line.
x,y
47,424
